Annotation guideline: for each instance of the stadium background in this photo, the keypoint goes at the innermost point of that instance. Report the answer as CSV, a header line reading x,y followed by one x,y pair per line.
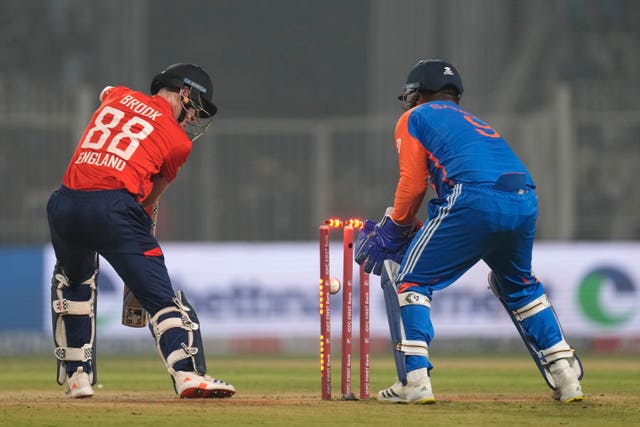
x,y
306,92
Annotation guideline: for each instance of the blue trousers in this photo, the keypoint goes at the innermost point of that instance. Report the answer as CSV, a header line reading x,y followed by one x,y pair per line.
x,y
113,224
469,224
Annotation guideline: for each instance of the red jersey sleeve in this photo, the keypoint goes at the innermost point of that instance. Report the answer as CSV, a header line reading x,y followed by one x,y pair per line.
x,y
414,174
174,161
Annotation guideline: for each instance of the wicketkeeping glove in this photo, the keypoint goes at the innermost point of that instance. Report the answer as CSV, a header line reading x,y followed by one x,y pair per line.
x,y
385,240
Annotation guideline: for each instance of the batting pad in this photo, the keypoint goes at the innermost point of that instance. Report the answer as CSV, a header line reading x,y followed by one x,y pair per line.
x,y
62,307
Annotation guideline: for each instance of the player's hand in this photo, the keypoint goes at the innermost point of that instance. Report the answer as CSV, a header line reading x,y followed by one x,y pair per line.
x,y
364,250
385,240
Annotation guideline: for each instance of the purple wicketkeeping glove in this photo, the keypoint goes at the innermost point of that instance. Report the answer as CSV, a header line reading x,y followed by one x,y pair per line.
x,y
378,242
364,235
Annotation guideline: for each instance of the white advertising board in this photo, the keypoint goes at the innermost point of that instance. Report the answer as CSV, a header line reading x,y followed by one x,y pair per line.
x,y
271,290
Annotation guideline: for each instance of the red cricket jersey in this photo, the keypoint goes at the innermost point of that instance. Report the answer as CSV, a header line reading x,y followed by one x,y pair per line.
x,y
131,138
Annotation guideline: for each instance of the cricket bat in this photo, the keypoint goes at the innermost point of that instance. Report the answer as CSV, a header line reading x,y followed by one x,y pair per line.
x,y
133,314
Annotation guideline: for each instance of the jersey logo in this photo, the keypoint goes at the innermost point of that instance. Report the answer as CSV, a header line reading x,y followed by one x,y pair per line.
x,y
398,143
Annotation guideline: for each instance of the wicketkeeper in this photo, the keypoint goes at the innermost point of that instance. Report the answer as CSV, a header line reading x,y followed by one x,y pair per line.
x,y
485,209
129,153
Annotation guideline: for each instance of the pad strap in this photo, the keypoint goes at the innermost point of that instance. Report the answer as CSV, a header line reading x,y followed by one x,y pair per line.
x,y
557,351
182,322
534,307
82,354
65,306
413,348
61,280
413,298
181,354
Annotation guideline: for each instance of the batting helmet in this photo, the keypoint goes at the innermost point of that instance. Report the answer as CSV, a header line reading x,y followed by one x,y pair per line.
x,y
178,75
432,75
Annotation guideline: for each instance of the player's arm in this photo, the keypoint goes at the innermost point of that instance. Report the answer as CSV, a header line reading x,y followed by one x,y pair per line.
x,y
160,184
104,92
414,175
390,238
168,173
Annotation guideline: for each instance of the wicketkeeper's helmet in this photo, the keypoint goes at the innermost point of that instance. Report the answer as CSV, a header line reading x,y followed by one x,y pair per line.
x,y
430,75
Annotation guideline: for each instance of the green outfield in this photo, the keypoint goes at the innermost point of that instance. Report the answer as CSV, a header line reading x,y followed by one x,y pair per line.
x,y
285,391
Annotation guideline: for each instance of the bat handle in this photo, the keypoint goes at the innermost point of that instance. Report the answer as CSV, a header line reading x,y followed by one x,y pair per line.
x,y
154,218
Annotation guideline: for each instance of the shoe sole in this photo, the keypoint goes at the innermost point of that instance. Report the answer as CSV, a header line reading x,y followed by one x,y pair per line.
x,y
83,396
199,393
574,399
79,393
425,401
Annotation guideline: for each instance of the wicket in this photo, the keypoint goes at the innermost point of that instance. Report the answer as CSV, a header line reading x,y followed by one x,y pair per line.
x,y
348,228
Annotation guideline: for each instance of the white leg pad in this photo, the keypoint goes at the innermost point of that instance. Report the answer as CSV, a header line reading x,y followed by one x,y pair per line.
x,y
62,307
190,349
562,350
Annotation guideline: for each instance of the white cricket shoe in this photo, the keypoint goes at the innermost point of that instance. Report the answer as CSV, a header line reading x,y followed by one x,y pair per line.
x,y
568,387
418,390
190,385
78,384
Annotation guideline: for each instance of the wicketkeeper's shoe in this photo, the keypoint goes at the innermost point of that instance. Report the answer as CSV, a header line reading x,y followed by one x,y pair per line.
x,y
78,384
190,385
568,387
418,390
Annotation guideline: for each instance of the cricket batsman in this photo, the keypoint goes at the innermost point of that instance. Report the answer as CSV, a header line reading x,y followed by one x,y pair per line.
x,y
485,209
130,152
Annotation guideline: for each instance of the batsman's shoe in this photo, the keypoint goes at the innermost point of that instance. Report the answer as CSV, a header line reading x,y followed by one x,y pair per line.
x,y
78,384
418,390
568,387
190,385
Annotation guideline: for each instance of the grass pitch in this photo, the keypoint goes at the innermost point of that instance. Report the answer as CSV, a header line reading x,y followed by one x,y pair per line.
x,y
285,391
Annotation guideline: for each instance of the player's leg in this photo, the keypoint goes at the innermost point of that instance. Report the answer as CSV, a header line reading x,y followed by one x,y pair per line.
x,y
524,299
539,327
73,303
190,379
73,299
138,260
413,386
173,323
446,246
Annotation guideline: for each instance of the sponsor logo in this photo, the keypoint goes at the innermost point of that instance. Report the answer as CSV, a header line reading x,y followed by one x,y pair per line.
x,y
608,297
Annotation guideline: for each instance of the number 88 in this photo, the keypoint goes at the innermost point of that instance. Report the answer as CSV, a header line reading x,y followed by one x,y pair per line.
x,y
100,125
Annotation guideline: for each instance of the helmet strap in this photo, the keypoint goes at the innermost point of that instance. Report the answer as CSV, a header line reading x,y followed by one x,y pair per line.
x,y
184,98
